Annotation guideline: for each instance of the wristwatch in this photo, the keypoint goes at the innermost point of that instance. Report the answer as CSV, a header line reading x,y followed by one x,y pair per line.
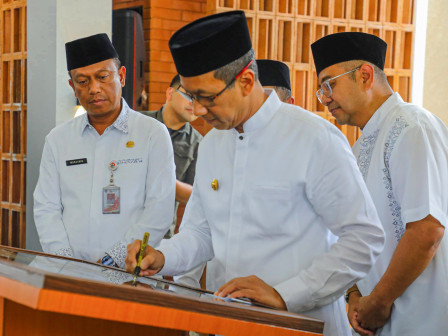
x,y
347,294
108,261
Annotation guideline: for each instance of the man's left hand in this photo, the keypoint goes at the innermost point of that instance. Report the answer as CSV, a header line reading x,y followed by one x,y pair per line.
x,y
372,313
252,288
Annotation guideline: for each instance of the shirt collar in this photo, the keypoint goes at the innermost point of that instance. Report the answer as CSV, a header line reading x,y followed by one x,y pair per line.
x,y
121,123
159,114
380,114
184,129
264,115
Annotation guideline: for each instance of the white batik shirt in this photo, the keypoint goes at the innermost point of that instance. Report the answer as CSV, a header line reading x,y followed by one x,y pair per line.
x,y
403,157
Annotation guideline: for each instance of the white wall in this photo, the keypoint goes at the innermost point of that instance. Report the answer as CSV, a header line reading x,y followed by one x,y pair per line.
x,y
50,24
435,93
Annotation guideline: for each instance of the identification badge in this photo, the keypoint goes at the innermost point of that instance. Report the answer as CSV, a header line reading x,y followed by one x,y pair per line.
x,y
111,199
111,193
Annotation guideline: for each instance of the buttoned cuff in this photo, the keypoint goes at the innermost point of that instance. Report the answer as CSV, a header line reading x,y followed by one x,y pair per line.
x,y
170,267
118,253
296,295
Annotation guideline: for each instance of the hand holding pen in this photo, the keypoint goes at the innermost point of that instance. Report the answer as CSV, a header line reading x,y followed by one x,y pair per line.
x,y
141,253
152,260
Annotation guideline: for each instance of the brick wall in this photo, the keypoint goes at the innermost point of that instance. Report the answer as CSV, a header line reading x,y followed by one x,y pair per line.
x,y
161,18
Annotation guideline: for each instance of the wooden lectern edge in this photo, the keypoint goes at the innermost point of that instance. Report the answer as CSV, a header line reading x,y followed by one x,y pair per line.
x,y
144,314
132,312
19,292
278,318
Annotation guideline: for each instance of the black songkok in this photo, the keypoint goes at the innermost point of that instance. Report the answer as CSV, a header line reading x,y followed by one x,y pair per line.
x,y
209,43
89,50
348,46
273,73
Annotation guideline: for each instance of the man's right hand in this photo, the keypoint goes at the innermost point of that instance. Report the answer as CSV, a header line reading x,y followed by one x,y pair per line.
x,y
152,262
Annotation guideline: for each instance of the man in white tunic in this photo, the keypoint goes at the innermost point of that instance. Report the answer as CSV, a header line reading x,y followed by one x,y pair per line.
x,y
272,75
403,157
274,185
106,177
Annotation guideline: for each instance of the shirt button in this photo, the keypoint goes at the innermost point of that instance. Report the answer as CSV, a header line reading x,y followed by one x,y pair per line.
x,y
241,137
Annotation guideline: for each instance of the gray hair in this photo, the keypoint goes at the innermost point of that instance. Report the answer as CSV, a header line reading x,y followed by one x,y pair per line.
x,y
228,72
283,93
349,65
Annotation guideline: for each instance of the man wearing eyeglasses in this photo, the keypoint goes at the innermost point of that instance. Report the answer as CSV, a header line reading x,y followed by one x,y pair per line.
x,y
403,156
176,114
273,190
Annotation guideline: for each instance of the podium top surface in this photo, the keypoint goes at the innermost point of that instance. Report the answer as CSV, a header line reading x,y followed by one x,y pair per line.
x,y
44,272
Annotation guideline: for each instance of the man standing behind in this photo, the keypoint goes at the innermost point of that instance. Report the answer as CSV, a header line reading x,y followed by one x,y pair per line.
x,y
275,75
176,114
274,183
403,156
107,176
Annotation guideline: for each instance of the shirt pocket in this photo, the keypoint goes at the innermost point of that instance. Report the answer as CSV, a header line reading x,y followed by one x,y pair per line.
x,y
272,208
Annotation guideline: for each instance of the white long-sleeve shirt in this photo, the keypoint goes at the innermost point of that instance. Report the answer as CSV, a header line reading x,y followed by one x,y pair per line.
x,y
68,198
287,186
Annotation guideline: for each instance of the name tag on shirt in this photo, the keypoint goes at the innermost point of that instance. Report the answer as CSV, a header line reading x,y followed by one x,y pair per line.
x,y
76,162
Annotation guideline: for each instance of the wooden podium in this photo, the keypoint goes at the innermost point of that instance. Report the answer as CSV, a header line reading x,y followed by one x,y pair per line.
x,y
46,295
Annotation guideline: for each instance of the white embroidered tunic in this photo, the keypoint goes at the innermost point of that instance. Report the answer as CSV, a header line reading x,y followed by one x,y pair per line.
x,y
403,157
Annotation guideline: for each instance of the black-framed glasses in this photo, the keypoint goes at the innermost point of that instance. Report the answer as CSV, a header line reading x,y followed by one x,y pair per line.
x,y
209,101
184,94
325,87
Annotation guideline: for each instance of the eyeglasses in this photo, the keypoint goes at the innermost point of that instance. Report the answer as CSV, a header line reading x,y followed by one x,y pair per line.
x,y
209,101
325,87
184,95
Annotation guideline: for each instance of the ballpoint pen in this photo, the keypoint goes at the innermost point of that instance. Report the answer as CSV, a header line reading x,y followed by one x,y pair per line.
x,y
140,257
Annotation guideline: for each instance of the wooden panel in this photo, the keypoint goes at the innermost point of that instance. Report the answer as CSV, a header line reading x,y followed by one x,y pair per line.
x,y
340,9
322,8
284,44
13,121
54,324
404,87
303,42
407,14
356,10
266,5
285,6
390,36
374,10
300,84
227,3
304,7
265,37
391,7
247,4
2,303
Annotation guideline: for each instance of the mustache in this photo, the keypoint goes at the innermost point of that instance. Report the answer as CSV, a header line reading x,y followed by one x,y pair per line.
x,y
97,98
